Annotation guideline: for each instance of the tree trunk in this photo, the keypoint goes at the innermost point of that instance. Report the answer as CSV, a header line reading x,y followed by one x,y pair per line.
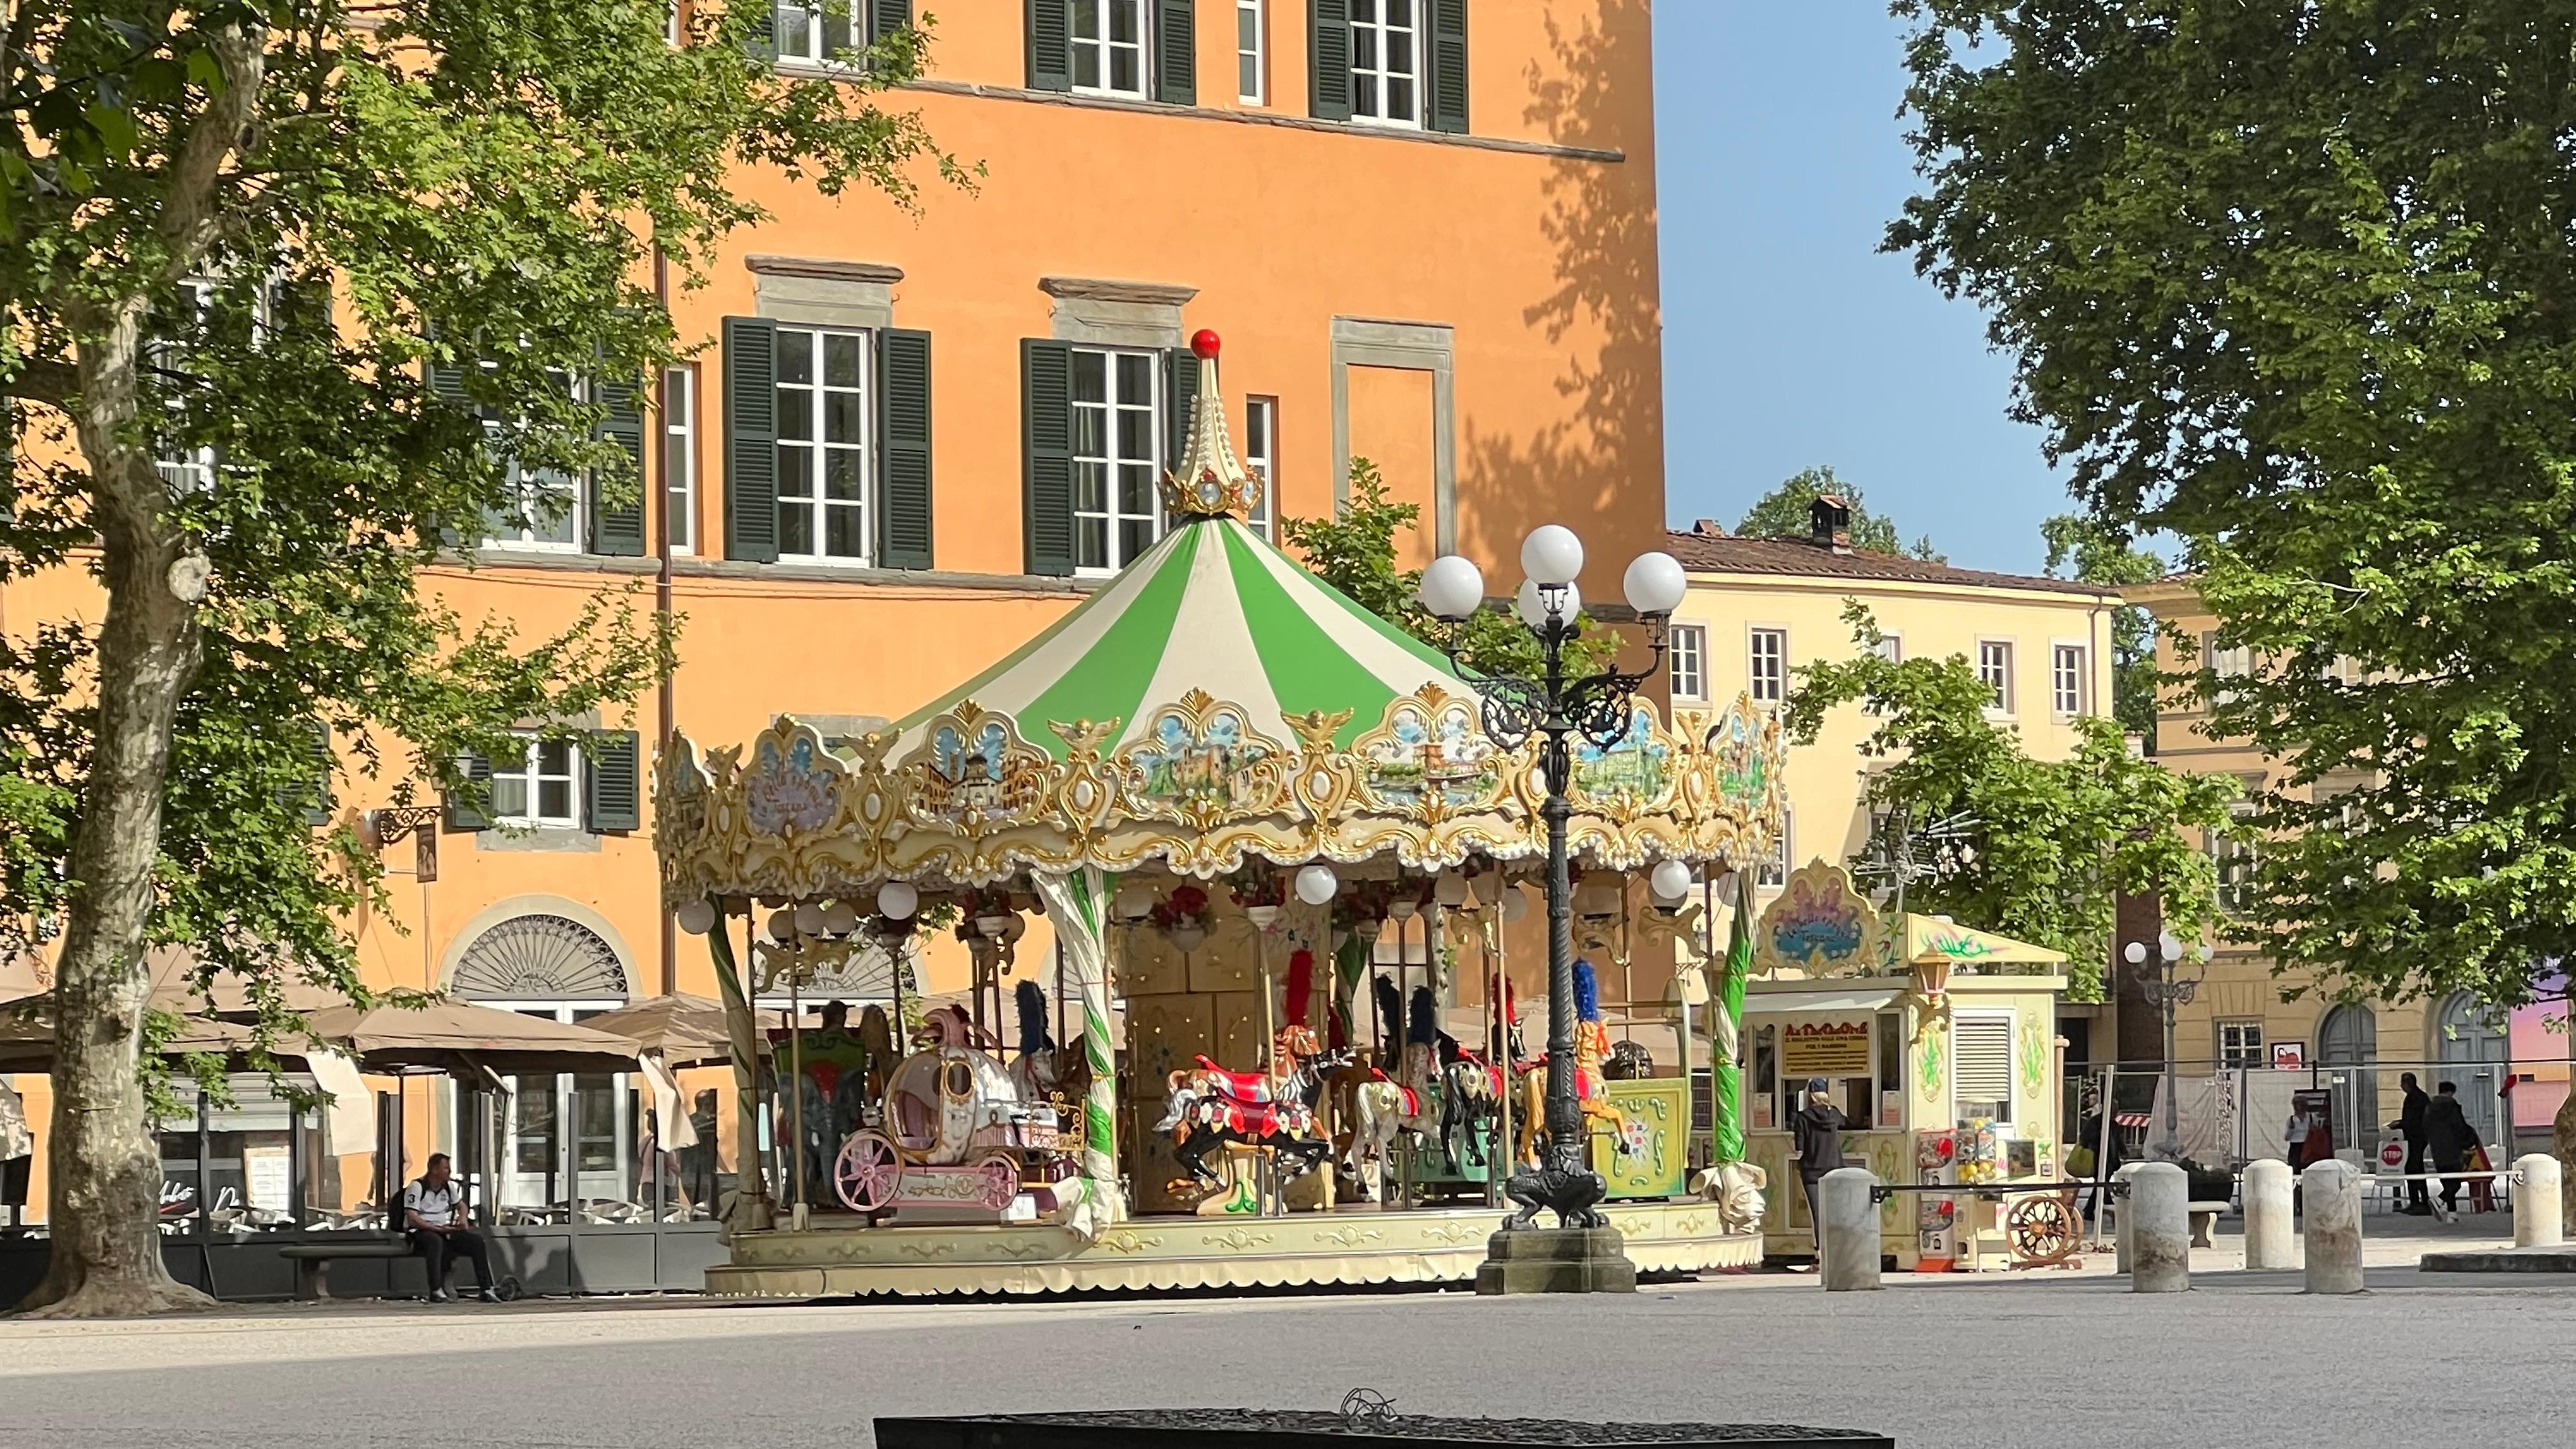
x,y
103,1204
2562,1141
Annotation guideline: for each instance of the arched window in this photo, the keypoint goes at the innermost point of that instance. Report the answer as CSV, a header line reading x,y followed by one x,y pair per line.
x,y
540,958
2348,1038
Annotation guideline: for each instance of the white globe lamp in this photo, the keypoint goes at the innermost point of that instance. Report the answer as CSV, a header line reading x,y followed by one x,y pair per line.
x,y
1515,903
1452,587
1671,880
840,918
897,900
1654,584
1552,554
696,917
809,919
1317,884
2135,953
782,925
1532,605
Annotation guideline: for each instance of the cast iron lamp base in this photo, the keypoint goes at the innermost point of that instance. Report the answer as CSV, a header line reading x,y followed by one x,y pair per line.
x,y
1582,1254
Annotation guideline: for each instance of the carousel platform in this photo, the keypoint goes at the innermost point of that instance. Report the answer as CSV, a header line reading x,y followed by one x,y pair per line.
x,y
839,1257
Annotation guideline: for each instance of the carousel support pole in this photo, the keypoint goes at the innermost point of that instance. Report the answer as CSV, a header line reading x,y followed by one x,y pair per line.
x,y
1324,1094
796,1093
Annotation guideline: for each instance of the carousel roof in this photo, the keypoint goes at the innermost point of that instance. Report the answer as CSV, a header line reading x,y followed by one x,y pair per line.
x,y
1212,607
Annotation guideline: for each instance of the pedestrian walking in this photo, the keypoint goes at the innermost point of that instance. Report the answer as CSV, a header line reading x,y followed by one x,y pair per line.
x,y
2448,1138
2410,1125
2294,1137
1816,1139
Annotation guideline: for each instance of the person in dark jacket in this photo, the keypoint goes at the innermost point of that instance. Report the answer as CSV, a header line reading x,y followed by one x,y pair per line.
x,y
1816,1136
2410,1125
2448,1138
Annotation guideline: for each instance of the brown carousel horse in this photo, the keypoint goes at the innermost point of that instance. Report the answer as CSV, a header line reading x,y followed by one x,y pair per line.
x,y
1592,1053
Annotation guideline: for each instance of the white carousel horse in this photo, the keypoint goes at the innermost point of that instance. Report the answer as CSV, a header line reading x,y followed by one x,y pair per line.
x,y
1380,1109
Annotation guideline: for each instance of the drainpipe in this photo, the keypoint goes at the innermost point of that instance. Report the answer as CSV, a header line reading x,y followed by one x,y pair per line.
x,y
657,506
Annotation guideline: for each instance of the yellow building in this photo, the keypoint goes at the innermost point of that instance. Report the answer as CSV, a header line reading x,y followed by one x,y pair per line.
x,y
2246,1015
1760,608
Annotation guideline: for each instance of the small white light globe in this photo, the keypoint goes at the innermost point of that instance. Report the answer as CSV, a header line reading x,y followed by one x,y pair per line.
x,y
1403,910
1451,890
1317,884
2169,946
840,918
809,919
696,917
1452,587
1515,903
782,925
897,900
1654,584
1552,554
1671,880
1533,608
2135,953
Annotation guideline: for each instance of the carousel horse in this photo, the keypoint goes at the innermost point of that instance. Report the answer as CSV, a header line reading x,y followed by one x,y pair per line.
x,y
1628,1062
1591,1087
1472,1097
1380,1108
1211,1107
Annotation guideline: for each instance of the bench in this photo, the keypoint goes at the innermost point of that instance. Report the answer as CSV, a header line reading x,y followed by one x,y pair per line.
x,y
313,1261
2204,1217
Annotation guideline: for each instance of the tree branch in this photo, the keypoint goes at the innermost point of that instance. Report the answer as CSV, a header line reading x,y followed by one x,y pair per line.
x,y
189,217
43,380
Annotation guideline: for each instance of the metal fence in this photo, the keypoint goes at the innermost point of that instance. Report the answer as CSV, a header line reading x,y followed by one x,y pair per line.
x,y
2229,1116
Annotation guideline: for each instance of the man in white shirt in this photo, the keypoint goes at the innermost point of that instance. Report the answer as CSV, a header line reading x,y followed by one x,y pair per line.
x,y
434,1216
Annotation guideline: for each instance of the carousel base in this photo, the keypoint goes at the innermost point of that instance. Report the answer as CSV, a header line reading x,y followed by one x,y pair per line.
x,y
838,1257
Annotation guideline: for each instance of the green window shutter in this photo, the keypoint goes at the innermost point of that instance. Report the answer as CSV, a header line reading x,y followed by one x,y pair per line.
x,y
463,813
617,503
1176,52
1328,59
317,797
1046,438
761,43
903,449
1447,110
1050,32
613,761
887,16
1180,394
446,382
751,439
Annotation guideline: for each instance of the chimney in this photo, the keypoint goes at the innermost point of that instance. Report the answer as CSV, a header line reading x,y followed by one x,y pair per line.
x,y
1829,523
1708,528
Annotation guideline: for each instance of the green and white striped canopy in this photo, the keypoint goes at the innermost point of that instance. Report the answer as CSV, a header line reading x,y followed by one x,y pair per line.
x,y
1212,607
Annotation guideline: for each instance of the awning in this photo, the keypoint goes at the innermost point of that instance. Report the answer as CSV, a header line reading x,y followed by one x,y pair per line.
x,y
1846,998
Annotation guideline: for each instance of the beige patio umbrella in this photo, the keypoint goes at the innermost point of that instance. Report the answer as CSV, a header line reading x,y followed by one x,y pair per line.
x,y
27,1037
467,1040
687,1030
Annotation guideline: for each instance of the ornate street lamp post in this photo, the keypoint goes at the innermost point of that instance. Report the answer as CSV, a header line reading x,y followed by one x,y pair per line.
x,y
2169,993
1558,708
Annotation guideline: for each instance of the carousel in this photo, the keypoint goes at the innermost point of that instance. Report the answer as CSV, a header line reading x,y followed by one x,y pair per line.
x,y
1276,850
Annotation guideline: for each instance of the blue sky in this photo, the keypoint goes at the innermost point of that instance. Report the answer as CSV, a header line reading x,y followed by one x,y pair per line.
x,y
1789,340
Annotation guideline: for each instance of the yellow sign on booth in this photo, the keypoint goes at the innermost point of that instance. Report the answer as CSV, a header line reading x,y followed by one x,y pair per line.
x,y
1824,1049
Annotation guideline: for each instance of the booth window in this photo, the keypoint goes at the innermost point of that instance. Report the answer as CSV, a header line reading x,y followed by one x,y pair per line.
x,y
1981,1049
1891,1067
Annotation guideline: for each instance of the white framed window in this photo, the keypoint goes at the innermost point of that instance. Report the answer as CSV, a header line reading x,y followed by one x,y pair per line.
x,y
185,469
541,787
1890,647
823,472
546,509
1772,871
1767,665
2225,664
671,21
1982,1065
816,32
1261,455
1109,47
1686,649
2069,682
1251,52
1386,62
1995,667
680,456
1117,412
2240,1044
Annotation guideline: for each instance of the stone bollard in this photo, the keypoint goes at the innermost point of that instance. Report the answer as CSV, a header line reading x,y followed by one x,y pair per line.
x,y
2330,1192
2160,1242
2123,1212
2536,1213
1851,1229
2271,1227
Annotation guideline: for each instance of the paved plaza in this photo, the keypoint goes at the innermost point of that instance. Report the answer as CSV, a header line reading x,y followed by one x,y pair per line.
x,y
2066,1361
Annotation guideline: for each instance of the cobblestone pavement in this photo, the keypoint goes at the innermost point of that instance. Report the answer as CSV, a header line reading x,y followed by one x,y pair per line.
x,y
2067,1360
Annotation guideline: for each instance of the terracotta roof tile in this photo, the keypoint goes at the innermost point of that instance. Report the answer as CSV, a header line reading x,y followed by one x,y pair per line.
x,y
1702,553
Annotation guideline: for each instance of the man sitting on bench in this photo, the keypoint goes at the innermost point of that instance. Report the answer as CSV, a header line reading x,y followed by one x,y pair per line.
x,y
434,1215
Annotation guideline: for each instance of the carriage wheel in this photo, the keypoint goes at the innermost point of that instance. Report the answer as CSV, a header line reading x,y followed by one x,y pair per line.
x,y
1001,1173
868,1172
2041,1229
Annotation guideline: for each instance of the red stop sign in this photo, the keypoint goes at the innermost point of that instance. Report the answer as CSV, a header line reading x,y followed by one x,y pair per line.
x,y
2392,1154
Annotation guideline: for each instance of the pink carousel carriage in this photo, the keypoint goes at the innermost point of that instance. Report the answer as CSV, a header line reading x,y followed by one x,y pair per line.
x,y
957,1139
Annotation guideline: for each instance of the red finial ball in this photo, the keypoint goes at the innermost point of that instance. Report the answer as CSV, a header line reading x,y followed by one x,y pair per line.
x,y
1203,343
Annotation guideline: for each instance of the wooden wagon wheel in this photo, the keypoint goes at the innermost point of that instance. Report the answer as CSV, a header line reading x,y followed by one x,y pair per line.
x,y
2042,1228
868,1172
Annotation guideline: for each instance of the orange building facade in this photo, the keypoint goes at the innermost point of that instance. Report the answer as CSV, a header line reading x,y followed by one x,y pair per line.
x,y
1425,230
